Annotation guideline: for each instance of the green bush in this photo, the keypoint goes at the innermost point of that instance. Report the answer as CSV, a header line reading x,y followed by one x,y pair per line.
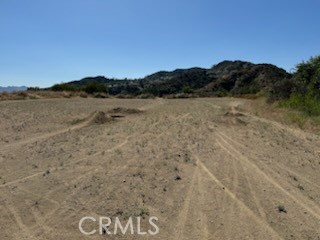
x,y
95,87
187,89
306,103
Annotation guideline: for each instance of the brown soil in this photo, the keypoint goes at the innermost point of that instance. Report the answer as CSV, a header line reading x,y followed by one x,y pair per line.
x,y
205,175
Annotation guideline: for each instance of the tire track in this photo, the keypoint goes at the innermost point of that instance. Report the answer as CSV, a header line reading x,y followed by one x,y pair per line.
x,y
185,209
249,184
305,203
303,178
203,218
285,168
67,165
68,129
25,231
253,194
242,206
231,208
21,180
49,135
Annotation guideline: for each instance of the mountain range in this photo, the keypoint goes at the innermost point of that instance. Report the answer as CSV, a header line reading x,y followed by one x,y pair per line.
x,y
13,88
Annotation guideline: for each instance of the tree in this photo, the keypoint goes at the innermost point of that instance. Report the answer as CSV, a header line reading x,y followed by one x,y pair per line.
x,y
307,77
95,87
187,89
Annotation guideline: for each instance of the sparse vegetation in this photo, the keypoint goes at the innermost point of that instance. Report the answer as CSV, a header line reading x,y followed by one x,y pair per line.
x,y
308,104
144,212
286,115
186,157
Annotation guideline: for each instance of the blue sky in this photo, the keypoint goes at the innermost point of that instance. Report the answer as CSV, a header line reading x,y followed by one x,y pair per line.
x,y
43,42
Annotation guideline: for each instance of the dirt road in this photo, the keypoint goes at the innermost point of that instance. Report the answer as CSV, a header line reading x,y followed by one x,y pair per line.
x,y
206,168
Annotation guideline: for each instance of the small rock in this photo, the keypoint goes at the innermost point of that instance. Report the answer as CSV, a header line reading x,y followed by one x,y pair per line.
x,y
281,208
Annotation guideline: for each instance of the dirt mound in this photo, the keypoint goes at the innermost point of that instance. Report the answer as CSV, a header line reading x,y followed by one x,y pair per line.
x,y
234,114
234,121
109,116
234,118
121,110
101,118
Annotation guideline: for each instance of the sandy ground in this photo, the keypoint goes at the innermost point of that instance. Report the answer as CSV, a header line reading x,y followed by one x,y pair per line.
x,y
204,167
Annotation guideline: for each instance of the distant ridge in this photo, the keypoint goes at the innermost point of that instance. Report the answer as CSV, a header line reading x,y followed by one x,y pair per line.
x,y
13,88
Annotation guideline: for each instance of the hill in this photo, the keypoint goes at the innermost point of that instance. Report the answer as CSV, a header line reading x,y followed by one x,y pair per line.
x,y
225,78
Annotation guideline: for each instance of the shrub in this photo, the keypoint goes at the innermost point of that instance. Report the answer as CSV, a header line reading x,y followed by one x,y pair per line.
x,y
83,94
306,103
64,87
95,87
146,96
187,89
100,95
67,94
22,94
281,89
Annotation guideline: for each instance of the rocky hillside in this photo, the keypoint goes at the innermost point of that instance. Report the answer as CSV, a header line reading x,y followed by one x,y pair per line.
x,y
228,77
244,77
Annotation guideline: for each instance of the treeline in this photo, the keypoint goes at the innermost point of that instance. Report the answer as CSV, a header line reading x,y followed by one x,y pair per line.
x,y
302,90
90,87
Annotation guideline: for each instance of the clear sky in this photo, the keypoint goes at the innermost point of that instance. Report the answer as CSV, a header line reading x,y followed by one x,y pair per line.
x,y
43,42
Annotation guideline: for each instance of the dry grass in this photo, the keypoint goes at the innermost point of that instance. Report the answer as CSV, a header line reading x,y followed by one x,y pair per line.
x,y
290,117
29,95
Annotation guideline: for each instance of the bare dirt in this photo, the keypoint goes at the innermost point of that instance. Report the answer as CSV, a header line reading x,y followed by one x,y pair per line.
x,y
205,168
